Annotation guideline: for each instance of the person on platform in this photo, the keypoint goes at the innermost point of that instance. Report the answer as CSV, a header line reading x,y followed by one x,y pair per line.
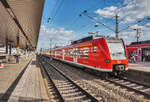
x,y
17,58
146,57
133,59
17,55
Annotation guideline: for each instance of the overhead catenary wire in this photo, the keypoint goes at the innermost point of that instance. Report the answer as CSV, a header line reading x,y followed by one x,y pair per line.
x,y
83,26
84,13
134,24
55,5
57,9
95,5
74,21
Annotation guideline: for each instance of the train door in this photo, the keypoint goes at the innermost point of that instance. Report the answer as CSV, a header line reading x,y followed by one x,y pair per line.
x,y
55,54
75,55
145,54
63,54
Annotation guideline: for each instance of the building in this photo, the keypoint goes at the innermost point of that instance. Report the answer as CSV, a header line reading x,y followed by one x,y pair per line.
x,y
140,50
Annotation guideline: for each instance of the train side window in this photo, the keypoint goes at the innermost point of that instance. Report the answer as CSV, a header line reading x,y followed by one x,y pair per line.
x,y
85,54
67,52
80,53
94,48
71,53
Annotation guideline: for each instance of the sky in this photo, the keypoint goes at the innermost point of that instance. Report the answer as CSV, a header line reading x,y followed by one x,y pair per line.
x,y
62,23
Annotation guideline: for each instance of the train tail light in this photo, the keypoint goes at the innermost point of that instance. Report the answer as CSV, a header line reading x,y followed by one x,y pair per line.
x,y
107,61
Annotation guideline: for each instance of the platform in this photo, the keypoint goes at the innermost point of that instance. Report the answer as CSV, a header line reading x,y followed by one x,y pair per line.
x,y
140,66
22,83
139,72
9,73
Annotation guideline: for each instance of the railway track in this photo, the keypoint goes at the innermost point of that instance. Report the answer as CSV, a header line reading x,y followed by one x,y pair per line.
x,y
67,90
137,87
131,85
133,89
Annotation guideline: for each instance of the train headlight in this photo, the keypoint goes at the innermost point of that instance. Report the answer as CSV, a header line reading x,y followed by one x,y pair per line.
x,y
107,61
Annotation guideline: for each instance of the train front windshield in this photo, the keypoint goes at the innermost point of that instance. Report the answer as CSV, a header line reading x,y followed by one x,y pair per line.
x,y
116,49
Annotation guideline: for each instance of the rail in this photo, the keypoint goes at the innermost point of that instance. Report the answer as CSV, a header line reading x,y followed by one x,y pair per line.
x,y
66,89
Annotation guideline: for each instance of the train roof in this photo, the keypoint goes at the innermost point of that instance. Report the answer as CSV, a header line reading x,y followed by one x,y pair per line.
x,y
90,38
82,40
140,42
85,40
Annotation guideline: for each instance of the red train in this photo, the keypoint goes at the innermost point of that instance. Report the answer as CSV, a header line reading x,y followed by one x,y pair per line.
x,y
101,54
140,50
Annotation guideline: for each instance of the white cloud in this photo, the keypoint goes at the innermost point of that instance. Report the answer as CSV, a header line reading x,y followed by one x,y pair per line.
x,y
107,12
133,10
147,24
130,35
58,36
137,26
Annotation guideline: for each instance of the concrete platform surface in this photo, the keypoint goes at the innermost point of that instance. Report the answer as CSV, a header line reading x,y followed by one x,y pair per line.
x,y
9,74
29,87
139,72
145,67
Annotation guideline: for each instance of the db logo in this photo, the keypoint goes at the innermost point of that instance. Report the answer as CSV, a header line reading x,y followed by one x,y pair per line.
x,y
118,61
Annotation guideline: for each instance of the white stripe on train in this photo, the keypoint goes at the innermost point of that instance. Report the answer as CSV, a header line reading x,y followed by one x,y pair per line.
x,y
78,64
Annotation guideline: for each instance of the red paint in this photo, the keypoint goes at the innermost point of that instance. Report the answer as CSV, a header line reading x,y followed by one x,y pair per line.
x,y
136,48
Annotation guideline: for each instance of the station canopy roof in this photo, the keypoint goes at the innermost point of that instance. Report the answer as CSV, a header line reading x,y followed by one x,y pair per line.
x,y
20,18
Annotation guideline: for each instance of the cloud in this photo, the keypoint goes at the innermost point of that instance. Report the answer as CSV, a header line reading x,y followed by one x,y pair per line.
x,y
147,24
58,36
107,12
132,11
137,26
130,35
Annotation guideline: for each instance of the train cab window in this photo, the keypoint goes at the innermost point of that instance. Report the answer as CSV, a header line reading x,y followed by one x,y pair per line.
x,y
85,53
116,49
94,48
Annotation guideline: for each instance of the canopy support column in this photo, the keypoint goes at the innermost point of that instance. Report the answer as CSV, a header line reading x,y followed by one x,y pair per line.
x,y
6,45
10,49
